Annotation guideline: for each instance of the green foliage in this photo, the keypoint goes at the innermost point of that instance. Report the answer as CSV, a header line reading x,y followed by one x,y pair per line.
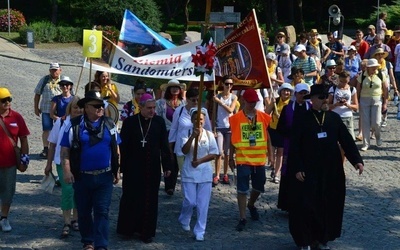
x,y
17,20
46,32
69,34
110,12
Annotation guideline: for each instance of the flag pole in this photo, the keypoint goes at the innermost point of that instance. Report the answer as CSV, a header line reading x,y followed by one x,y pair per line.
x,y
197,125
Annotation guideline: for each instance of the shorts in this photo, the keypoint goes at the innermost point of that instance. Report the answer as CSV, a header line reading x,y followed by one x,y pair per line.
x,y
255,173
8,180
224,140
47,122
276,138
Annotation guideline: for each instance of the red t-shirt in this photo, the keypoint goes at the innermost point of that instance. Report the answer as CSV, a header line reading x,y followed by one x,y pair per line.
x,y
17,128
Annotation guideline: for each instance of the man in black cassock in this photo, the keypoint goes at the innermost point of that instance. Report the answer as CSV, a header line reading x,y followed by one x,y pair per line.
x,y
317,188
144,142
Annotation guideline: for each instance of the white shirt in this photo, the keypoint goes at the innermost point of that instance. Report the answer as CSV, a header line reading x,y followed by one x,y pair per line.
x,y
222,114
206,145
181,121
397,55
340,94
56,135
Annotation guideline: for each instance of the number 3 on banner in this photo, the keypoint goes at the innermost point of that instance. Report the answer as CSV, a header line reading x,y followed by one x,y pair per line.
x,y
92,43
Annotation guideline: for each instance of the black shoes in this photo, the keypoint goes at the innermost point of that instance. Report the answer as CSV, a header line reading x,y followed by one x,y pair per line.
x,y
241,225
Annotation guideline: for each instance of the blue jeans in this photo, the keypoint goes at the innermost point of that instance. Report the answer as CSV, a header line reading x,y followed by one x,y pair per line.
x,y
93,192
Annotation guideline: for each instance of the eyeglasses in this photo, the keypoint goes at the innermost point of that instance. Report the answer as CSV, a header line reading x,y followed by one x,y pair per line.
x,y
7,99
228,83
193,99
97,106
323,97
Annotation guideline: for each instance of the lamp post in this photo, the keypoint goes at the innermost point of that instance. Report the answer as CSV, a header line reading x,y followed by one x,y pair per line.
x,y
9,13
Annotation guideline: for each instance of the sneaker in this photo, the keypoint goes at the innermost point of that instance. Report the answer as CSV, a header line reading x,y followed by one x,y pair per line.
x,y
276,180
322,246
225,179
253,213
5,225
305,248
384,124
379,142
199,238
365,148
215,181
241,225
186,228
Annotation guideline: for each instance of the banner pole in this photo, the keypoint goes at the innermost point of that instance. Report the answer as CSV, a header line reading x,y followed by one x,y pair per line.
x,y
79,81
197,125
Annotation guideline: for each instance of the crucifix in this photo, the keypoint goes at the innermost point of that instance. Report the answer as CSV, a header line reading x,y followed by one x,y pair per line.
x,y
143,142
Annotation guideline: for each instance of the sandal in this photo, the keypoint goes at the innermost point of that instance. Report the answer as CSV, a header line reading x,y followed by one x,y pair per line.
x,y
65,231
75,225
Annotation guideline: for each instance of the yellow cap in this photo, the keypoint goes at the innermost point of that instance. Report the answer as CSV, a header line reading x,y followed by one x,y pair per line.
x,y
389,33
4,92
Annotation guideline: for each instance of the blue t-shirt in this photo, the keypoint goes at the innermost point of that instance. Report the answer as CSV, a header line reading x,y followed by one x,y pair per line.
x,y
61,104
93,157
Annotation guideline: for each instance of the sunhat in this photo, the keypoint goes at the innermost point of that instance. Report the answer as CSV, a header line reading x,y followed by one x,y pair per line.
x,y
286,86
173,82
380,51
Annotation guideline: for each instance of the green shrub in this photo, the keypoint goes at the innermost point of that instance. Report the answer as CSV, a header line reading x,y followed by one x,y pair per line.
x,y
17,20
69,34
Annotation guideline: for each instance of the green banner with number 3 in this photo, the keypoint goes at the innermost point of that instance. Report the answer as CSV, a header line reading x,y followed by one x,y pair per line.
x,y
92,43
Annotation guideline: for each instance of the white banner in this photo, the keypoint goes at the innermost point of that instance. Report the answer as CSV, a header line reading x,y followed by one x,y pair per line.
x,y
174,63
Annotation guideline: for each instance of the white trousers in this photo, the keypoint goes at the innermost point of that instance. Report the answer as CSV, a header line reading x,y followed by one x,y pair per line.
x,y
196,195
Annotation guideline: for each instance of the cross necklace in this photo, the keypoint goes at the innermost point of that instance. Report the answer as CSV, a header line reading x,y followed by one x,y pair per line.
x,y
143,141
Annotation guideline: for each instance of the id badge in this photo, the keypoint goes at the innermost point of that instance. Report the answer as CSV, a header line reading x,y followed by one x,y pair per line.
x,y
252,140
322,135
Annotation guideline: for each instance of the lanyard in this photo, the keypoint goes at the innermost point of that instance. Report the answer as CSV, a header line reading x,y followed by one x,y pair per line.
x,y
322,122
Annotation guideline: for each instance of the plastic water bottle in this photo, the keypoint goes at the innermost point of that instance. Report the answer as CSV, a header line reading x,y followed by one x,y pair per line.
x,y
398,112
396,99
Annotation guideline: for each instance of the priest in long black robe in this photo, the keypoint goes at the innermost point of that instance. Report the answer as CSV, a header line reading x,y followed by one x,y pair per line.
x,y
317,189
144,142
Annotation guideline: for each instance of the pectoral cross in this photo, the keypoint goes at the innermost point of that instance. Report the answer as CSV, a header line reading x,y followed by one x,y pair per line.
x,y
143,142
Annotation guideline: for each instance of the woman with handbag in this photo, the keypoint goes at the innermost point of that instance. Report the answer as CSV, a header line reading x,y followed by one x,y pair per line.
x,y
12,128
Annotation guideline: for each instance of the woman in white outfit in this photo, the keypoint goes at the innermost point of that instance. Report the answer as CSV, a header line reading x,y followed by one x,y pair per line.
x,y
197,174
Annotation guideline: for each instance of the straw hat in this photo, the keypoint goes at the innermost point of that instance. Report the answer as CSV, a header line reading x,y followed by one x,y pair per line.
x,y
380,51
173,82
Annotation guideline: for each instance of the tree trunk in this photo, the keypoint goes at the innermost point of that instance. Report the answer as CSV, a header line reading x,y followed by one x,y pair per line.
x,y
274,14
290,11
187,14
54,11
300,23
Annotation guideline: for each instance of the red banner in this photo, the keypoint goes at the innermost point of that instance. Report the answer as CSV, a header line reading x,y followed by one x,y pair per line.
x,y
241,55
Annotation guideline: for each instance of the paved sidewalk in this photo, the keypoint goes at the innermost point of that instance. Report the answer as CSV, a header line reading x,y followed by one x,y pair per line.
x,y
371,218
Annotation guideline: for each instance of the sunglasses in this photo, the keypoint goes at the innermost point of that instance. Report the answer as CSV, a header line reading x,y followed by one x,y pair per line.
x,y
322,97
7,99
97,106
332,68
228,83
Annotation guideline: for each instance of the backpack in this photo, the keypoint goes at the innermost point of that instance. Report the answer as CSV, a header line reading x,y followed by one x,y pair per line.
x,y
321,50
290,56
44,83
75,149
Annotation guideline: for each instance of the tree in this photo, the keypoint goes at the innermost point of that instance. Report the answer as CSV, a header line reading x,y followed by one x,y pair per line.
x,y
110,12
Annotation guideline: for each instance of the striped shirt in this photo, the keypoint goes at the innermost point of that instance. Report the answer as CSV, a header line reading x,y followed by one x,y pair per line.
x,y
308,65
